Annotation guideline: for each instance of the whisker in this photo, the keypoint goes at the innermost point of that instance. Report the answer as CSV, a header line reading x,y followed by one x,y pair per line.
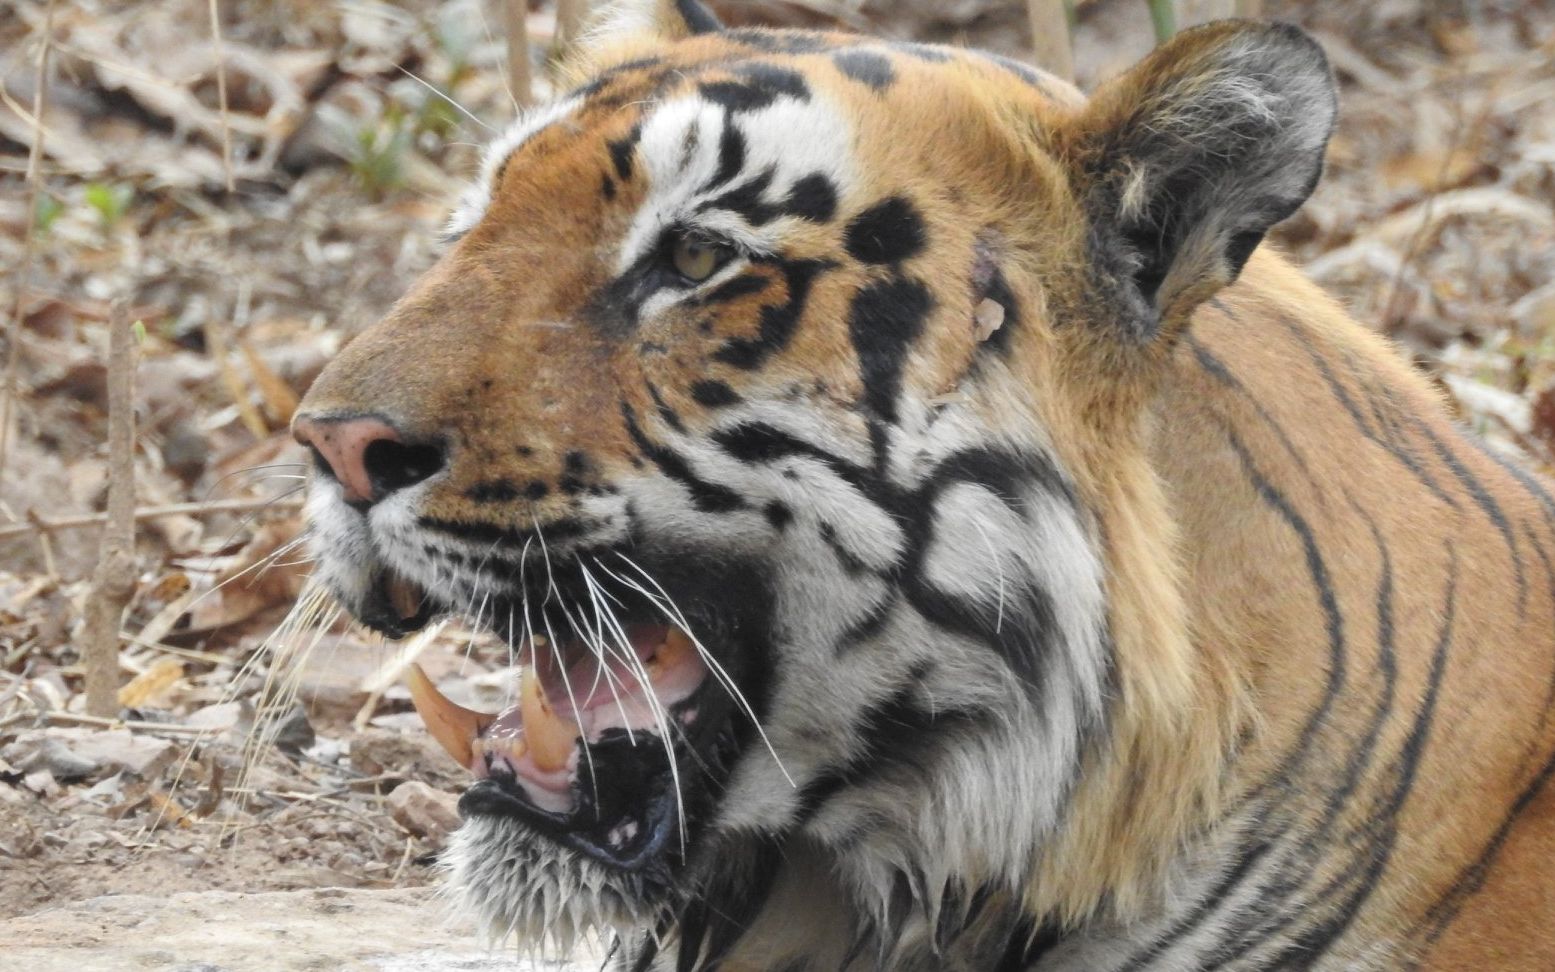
x,y
248,518
640,671
999,564
555,644
211,490
433,88
668,603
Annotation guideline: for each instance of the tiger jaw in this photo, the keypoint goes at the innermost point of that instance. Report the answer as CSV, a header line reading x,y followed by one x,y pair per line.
x,y
591,753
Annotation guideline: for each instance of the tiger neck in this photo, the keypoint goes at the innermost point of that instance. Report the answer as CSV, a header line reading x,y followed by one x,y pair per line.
x,y
1209,531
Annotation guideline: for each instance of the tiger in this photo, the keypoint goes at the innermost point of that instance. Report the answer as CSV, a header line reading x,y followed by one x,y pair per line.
x,y
936,532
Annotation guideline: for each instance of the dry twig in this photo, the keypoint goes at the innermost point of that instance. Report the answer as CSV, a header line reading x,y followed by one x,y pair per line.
x,y
1050,37
570,15
114,579
51,524
58,718
221,95
515,14
24,268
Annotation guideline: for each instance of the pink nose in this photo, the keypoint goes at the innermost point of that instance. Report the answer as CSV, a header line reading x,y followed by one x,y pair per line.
x,y
367,455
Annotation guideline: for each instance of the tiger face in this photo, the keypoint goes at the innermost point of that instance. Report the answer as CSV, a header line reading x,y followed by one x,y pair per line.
x,y
756,404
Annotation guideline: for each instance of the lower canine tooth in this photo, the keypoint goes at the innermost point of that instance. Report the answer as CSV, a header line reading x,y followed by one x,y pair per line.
x,y
549,736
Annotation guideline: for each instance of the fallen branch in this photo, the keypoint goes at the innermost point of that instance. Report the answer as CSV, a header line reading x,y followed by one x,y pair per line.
x,y
114,579
57,718
51,524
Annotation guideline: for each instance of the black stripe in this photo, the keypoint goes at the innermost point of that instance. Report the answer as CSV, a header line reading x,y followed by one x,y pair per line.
x,y
731,155
1249,859
778,322
1482,499
504,537
699,19
897,732
1218,370
622,150
884,321
1397,450
1549,577
1328,601
1472,878
710,393
734,288
1308,949
1318,840
705,496
666,414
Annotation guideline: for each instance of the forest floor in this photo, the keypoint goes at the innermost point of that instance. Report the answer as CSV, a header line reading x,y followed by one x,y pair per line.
x,y
1435,223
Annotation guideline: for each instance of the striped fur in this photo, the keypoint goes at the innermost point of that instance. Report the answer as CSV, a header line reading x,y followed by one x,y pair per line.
x,y
1172,626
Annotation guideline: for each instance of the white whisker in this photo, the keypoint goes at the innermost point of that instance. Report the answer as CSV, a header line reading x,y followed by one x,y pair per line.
x,y
640,671
668,603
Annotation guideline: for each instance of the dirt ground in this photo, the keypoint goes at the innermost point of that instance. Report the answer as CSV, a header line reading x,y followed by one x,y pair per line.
x,y
1435,222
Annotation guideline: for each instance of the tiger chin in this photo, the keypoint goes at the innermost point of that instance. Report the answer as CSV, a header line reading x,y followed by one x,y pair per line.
x,y
936,532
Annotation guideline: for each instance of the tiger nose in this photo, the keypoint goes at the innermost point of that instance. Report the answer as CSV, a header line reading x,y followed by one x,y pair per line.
x,y
367,456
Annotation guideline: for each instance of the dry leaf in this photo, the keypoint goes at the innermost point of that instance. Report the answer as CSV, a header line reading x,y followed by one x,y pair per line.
x,y
248,582
154,687
280,400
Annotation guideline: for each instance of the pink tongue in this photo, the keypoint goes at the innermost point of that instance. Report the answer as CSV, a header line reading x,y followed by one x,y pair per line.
x,y
537,739
592,683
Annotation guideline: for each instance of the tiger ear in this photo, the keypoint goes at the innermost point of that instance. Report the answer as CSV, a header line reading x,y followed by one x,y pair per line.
x,y
1186,161
650,20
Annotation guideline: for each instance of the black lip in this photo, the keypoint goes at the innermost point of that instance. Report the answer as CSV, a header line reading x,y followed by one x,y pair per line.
x,y
626,778
377,611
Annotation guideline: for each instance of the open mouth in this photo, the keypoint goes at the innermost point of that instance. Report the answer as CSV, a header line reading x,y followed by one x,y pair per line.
x,y
618,738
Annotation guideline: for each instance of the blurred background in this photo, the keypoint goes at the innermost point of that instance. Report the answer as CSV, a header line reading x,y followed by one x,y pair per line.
x,y
244,245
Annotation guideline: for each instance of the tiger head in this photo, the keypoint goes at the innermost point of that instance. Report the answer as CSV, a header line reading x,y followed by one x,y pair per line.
x,y
779,399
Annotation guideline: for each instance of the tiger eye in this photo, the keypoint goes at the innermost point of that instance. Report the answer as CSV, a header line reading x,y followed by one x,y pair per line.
x,y
695,261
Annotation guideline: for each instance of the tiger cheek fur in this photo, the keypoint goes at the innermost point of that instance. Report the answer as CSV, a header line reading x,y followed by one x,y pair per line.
x,y
936,534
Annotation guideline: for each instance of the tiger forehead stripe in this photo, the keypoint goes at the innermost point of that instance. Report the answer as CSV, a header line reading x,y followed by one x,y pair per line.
x,y
739,158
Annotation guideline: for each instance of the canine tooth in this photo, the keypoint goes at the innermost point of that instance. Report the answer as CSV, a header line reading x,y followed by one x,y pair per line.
x,y
453,726
550,737
405,597
677,645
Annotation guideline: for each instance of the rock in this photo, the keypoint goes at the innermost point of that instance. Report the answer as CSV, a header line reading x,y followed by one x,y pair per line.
x,y
66,765
424,811
220,717
295,732
411,755
72,753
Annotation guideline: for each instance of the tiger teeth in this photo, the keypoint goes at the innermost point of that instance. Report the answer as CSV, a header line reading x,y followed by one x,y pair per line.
x,y
550,737
453,726
677,645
